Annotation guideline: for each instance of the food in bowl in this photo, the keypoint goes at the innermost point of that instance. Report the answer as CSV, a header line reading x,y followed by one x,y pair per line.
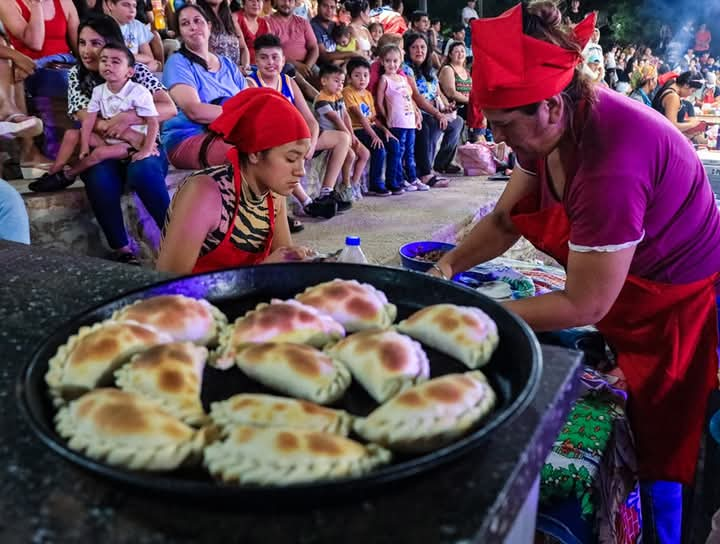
x,y
432,256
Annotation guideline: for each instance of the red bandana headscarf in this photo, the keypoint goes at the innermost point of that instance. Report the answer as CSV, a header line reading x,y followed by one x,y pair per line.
x,y
512,69
259,119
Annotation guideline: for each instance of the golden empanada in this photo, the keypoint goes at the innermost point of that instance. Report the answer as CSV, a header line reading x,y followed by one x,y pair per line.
x,y
270,411
89,358
430,415
279,321
274,456
357,306
170,374
183,318
463,332
384,362
128,430
296,370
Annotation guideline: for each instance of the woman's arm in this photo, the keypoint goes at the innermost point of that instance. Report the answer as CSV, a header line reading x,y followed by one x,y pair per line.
x,y
32,32
447,84
594,281
73,21
244,51
495,233
281,236
187,99
425,105
672,105
196,211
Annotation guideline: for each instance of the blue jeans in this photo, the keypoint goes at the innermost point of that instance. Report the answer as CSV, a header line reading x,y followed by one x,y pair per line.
x,y
104,185
401,161
377,156
426,151
14,223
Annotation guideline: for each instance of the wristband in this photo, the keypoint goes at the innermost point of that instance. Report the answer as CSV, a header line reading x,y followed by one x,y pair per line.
x,y
442,274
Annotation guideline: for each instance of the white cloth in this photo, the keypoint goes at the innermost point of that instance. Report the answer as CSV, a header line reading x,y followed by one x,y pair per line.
x,y
136,34
132,97
468,13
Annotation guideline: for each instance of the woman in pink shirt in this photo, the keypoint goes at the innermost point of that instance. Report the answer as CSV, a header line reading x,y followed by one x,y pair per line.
x,y
617,195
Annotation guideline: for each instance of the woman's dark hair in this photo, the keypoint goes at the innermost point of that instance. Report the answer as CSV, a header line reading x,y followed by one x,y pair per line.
x,y
425,68
542,20
267,41
84,10
108,28
222,21
453,46
184,51
690,79
356,7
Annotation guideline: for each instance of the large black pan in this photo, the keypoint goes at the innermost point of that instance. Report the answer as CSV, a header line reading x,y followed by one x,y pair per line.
x,y
513,371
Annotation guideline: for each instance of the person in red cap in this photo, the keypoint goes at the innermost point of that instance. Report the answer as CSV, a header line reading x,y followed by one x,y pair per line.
x,y
617,195
234,214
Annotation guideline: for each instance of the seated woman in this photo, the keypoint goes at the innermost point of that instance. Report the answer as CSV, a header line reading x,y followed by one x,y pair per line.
x,y
234,214
252,24
456,84
41,29
668,101
104,182
226,38
199,82
418,65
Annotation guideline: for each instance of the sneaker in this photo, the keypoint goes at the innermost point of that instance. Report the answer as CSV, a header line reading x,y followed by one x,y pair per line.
x,y
323,206
378,191
51,182
342,204
397,191
420,186
409,187
125,257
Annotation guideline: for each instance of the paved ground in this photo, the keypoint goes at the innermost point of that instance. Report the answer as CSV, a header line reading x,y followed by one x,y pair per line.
x,y
384,224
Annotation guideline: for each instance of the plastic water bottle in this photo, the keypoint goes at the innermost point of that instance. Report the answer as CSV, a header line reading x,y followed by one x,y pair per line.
x,y
352,252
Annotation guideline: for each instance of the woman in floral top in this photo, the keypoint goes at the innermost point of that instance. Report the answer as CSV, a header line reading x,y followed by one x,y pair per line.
x,y
105,182
419,66
226,38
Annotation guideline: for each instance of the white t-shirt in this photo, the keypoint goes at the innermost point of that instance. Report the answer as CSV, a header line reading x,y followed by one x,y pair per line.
x,y
468,13
136,34
132,97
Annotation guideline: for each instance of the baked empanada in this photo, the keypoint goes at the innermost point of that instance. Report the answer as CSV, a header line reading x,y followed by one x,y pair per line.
x,y
279,321
183,318
128,430
357,306
282,456
89,358
270,411
384,362
296,370
430,415
463,332
170,374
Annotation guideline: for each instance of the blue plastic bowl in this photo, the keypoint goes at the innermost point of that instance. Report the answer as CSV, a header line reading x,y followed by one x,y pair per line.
x,y
409,253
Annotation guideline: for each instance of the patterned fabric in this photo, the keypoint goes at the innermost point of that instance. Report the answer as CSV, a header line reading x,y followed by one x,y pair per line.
x,y
326,103
227,45
79,95
252,223
428,88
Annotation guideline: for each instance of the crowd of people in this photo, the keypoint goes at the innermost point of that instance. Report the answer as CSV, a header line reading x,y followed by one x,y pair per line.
x,y
374,86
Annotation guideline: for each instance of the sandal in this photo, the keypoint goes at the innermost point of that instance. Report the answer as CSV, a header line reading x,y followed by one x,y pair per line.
x,y
437,181
29,127
295,225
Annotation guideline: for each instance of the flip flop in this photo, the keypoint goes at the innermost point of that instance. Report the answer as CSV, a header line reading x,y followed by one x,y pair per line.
x,y
437,181
295,225
27,128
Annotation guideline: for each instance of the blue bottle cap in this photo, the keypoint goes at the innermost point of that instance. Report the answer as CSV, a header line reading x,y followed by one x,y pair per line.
x,y
352,241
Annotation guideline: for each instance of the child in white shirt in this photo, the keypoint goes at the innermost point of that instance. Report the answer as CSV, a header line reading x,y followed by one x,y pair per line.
x,y
117,95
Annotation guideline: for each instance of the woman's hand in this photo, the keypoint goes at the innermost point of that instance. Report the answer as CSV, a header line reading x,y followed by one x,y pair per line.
x,y
289,254
442,120
445,271
118,124
145,153
23,63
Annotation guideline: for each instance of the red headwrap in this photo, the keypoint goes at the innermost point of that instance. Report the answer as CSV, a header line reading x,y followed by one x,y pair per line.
x,y
667,76
512,69
259,119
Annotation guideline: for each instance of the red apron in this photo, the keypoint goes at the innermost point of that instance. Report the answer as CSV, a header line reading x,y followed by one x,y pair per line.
x,y
665,337
227,254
